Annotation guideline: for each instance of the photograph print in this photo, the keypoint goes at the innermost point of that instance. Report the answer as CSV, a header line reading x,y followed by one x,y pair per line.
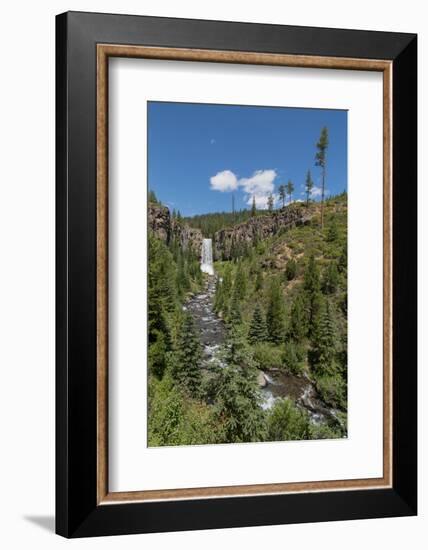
x,y
247,274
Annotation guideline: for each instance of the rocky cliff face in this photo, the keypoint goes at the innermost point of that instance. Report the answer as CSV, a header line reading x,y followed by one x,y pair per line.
x,y
258,228
226,240
166,228
189,237
159,221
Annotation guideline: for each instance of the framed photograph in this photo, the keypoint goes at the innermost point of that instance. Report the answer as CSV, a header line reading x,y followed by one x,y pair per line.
x,y
236,274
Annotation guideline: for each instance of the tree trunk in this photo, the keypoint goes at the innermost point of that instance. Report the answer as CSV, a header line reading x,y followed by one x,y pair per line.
x,y
322,198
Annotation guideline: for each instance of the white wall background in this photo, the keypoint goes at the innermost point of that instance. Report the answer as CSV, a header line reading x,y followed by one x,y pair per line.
x,y
27,272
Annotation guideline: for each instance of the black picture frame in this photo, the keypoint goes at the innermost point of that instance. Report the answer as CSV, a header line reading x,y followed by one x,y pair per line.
x,y
77,512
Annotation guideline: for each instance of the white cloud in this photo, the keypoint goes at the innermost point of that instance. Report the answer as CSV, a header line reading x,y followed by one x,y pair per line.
x,y
224,181
260,185
212,141
317,191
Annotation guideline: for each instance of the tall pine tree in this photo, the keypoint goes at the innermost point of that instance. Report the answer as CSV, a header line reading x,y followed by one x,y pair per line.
x,y
311,286
257,332
321,161
187,366
290,189
275,318
282,194
240,284
253,207
331,278
298,319
235,316
238,396
325,342
309,184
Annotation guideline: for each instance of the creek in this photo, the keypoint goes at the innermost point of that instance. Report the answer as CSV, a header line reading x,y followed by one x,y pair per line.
x,y
274,383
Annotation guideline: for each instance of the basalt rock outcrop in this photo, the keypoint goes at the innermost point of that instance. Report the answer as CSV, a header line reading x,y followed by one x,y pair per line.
x,y
228,241
159,221
166,228
188,237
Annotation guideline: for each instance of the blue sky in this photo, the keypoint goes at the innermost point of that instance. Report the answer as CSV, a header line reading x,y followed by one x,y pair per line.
x,y
199,154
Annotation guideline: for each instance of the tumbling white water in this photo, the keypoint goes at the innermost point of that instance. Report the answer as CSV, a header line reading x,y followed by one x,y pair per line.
x,y
207,257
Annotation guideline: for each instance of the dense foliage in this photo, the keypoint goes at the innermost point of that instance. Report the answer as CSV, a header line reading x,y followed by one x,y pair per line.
x,y
284,304
296,311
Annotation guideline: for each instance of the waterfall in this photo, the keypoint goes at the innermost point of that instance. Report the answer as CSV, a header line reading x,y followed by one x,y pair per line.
x,y
207,257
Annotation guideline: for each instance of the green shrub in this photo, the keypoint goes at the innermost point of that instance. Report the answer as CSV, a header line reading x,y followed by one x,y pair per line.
x,y
332,390
292,358
287,422
268,356
174,420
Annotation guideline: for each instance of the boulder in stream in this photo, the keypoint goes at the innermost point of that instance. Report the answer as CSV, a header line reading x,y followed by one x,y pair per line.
x,y
261,379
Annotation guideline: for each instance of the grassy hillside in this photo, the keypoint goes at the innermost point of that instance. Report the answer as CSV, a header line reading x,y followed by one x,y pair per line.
x,y
297,281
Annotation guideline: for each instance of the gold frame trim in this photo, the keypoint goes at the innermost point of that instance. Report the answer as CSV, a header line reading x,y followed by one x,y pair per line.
x,y
104,51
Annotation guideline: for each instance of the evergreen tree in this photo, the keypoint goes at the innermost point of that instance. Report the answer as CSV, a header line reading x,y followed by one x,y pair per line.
x,y
290,269
325,343
333,231
166,281
291,359
218,296
183,279
240,284
157,357
238,396
282,194
270,202
152,197
311,285
321,161
330,279
156,316
223,299
309,184
290,188
186,369
234,315
298,319
343,259
158,333
275,320
159,283
253,207
257,332
311,279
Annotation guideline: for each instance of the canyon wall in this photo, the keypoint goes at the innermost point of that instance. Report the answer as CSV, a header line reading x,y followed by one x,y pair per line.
x,y
167,228
258,229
